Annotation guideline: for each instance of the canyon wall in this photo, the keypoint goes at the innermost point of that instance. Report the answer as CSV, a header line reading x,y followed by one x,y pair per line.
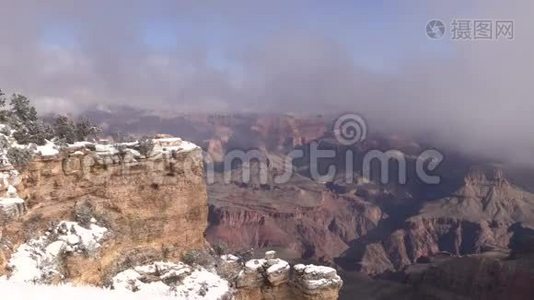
x,y
150,206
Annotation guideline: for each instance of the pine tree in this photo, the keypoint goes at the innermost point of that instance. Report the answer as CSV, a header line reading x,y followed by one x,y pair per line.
x,y
22,109
65,129
4,113
85,129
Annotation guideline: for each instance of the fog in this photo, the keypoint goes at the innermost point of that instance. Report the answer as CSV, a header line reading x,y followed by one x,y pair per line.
x,y
371,58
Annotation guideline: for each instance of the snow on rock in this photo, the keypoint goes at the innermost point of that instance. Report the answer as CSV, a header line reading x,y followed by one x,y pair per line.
x,y
257,271
11,203
255,264
270,254
170,144
202,284
37,260
30,263
313,277
229,258
80,238
278,266
12,206
48,149
102,149
173,279
9,177
162,146
278,272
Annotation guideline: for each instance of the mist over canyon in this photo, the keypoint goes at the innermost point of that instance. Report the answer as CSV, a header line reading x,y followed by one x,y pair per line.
x,y
389,236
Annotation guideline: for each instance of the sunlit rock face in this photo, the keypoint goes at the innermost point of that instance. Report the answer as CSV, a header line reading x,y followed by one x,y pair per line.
x,y
152,206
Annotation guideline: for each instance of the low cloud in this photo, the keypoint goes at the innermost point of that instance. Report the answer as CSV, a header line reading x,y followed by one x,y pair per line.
x,y
475,95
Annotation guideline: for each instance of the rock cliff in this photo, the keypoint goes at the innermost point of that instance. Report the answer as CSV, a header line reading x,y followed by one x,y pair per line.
x,y
149,205
485,214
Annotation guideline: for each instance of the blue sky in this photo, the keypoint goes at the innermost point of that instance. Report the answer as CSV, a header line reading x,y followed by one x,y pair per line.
x,y
380,35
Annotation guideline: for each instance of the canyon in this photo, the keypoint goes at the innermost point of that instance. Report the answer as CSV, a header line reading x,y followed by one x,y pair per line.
x,y
87,213
386,239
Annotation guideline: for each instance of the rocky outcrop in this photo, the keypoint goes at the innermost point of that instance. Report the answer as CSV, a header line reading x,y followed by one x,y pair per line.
x,y
273,278
155,205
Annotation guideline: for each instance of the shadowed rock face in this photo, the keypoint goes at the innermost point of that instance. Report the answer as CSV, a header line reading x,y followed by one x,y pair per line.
x,y
148,206
484,214
475,277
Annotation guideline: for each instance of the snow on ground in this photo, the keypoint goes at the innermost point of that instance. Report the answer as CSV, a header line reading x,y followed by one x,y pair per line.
x,y
48,149
37,260
25,291
173,144
173,279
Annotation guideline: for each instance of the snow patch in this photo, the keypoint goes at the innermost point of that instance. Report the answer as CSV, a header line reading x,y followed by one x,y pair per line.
x,y
11,203
172,279
255,264
26,291
278,266
229,258
38,259
48,149
314,277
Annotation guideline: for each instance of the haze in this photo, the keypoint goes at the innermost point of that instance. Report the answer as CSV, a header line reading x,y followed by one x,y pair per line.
x,y
369,57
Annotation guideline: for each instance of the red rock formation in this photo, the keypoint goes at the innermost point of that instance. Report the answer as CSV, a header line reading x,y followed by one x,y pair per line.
x,y
478,217
307,223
